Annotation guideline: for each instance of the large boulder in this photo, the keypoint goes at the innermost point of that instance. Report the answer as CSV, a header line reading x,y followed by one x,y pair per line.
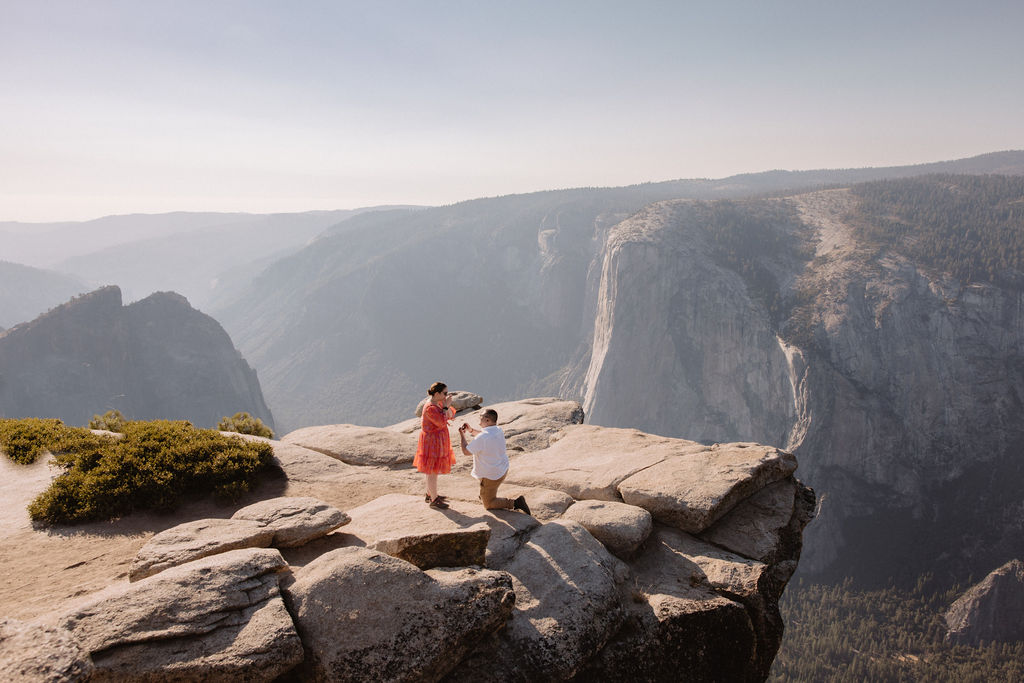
x,y
193,540
31,652
294,520
677,627
754,526
367,616
218,618
567,607
991,610
357,445
693,491
675,556
589,462
406,527
620,527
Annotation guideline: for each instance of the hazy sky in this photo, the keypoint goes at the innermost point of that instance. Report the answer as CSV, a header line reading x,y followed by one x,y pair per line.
x,y
149,106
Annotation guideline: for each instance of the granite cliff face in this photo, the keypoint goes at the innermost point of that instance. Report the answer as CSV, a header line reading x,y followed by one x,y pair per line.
x,y
900,389
157,358
679,345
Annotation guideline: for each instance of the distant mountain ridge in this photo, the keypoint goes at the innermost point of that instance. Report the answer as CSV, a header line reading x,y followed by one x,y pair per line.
x,y
26,292
194,254
155,359
350,321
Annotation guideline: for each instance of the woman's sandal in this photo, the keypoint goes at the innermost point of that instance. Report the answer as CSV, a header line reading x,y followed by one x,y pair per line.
x,y
426,498
439,503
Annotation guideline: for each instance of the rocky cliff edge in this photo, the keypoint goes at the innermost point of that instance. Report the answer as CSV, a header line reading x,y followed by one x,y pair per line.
x,y
645,557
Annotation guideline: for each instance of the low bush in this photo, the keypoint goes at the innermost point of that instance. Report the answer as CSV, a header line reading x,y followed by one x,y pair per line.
x,y
24,440
154,466
111,421
244,423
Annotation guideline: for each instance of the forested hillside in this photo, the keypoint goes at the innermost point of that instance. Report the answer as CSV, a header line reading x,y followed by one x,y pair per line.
x,y
840,633
969,226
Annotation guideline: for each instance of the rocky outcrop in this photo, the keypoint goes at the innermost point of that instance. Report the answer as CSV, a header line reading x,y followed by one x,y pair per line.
x,y
990,612
194,540
157,358
294,521
586,461
281,522
681,483
693,492
389,620
621,528
404,527
591,587
218,617
356,445
567,607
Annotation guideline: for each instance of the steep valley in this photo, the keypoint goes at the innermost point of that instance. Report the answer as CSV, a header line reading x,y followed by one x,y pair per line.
x,y
782,320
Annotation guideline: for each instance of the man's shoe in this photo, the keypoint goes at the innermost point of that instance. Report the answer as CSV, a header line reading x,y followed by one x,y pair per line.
x,y
520,504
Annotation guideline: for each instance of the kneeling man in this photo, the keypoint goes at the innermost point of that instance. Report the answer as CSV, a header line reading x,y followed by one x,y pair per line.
x,y
490,461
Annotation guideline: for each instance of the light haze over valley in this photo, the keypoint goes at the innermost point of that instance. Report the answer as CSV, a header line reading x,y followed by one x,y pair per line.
x,y
786,224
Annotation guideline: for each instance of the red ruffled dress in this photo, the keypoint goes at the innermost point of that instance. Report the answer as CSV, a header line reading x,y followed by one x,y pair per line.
x,y
434,452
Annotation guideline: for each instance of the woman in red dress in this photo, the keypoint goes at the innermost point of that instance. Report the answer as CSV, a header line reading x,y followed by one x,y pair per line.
x,y
434,454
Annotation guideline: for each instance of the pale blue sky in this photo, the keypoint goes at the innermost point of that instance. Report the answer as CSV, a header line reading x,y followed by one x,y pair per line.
x,y
129,106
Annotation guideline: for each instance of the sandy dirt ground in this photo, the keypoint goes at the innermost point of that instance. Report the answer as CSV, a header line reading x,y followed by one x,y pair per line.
x,y
43,568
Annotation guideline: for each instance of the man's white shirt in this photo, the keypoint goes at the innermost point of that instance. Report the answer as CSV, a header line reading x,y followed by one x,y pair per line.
x,y
490,459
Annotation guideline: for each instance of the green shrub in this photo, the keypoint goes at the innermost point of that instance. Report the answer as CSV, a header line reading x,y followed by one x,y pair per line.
x,y
244,423
155,465
112,421
24,440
